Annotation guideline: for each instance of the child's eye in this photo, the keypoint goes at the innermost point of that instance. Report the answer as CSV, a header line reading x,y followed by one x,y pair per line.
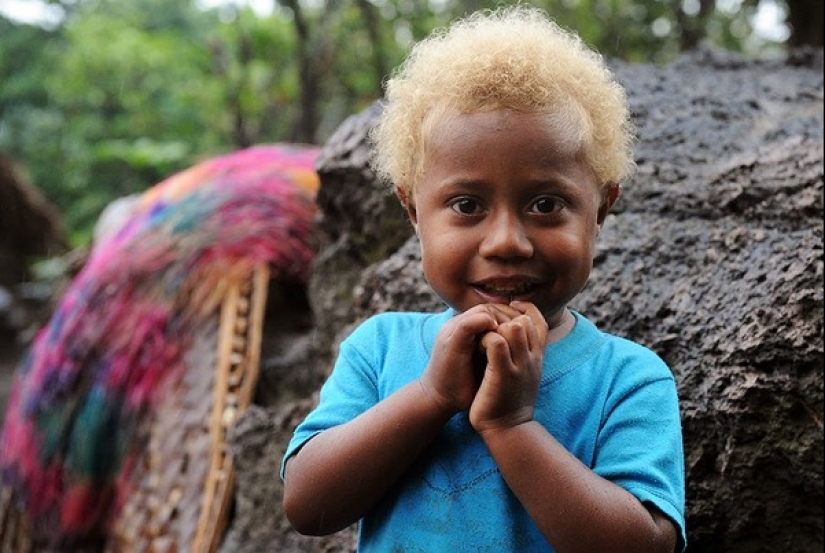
x,y
546,205
466,206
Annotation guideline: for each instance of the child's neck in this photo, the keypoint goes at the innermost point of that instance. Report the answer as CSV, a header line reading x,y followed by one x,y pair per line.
x,y
559,331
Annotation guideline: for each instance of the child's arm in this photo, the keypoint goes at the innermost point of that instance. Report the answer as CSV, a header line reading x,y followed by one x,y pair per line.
x,y
576,509
341,473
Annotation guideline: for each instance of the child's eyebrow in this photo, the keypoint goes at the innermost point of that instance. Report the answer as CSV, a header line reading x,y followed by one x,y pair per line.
x,y
459,185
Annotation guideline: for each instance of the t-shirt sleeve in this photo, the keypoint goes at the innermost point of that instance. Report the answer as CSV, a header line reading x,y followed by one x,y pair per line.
x,y
350,390
640,445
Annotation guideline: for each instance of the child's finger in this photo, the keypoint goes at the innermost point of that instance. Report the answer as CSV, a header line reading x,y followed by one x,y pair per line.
x,y
495,348
530,309
500,311
521,336
475,322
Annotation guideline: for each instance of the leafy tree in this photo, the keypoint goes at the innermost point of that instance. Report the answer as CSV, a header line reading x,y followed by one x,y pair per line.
x,y
124,92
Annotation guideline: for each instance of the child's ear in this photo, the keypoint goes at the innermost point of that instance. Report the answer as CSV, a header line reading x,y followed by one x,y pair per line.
x,y
408,203
609,197
413,214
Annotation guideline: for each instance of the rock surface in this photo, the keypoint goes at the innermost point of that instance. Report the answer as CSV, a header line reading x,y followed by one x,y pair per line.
x,y
713,257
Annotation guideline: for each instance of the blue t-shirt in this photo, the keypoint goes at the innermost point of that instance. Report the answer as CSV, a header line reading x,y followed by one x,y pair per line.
x,y
611,402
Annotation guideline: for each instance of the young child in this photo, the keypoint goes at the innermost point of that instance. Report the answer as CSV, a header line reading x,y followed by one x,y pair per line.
x,y
507,423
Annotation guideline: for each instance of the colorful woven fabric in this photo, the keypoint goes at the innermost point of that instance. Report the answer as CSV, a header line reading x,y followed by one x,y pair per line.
x,y
75,417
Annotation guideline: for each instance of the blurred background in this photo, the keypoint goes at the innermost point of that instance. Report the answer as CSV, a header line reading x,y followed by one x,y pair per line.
x,y
104,98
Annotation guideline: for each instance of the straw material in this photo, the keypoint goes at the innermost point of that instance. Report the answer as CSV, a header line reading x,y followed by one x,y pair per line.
x,y
183,487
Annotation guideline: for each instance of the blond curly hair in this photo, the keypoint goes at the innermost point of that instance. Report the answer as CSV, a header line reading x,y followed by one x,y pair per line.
x,y
512,58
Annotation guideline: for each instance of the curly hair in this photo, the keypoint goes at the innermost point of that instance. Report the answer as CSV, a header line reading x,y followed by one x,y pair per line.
x,y
512,58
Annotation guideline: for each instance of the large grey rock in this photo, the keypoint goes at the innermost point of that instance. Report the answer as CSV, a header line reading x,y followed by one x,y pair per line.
x,y
362,219
713,257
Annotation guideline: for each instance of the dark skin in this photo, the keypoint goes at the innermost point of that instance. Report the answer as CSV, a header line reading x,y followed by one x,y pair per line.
x,y
507,232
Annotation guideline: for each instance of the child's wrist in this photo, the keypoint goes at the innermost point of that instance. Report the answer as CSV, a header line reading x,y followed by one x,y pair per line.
x,y
435,400
491,428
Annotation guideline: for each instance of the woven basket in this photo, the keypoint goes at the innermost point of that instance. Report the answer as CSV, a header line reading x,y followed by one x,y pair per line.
x,y
14,528
181,494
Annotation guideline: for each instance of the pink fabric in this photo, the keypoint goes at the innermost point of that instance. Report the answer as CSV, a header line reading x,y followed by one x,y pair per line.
x,y
119,331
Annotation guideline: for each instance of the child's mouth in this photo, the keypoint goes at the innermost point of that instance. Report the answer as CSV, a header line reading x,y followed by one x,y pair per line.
x,y
507,290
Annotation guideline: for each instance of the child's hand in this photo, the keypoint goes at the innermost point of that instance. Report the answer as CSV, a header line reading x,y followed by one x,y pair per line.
x,y
515,353
452,376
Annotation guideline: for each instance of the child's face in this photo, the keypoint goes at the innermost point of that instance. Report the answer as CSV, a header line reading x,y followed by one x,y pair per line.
x,y
506,210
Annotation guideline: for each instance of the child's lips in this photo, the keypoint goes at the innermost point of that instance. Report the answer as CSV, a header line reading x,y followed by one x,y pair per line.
x,y
505,290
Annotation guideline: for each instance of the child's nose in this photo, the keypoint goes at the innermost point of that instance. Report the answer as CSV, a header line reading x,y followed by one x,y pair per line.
x,y
506,237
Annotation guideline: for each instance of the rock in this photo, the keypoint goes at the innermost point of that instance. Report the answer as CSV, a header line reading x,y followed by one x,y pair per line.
x,y
258,443
362,219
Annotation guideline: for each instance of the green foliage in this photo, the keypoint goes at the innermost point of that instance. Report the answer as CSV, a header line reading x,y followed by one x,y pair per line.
x,y
254,59
125,92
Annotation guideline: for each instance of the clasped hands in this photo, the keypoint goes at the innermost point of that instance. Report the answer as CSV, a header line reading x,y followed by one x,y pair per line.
x,y
488,360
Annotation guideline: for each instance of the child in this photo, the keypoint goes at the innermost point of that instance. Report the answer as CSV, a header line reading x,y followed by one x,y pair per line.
x,y
507,423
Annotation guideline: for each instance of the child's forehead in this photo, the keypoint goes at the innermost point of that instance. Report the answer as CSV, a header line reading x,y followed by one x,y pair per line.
x,y
564,113
504,146
563,125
